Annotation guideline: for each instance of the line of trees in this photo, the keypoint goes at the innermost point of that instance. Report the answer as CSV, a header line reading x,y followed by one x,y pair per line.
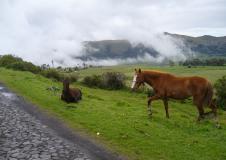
x,y
204,62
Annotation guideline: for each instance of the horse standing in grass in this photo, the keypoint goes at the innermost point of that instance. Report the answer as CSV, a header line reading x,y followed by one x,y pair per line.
x,y
70,94
168,86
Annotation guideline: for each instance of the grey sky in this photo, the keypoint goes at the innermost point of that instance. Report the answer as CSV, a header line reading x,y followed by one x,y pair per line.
x,y
42,30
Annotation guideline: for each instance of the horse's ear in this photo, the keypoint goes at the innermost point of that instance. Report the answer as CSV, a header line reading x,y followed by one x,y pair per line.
x,y
135,70
66,80
139,70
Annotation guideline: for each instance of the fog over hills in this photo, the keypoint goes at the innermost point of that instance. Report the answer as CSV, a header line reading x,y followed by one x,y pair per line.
x,y
115,49
124,51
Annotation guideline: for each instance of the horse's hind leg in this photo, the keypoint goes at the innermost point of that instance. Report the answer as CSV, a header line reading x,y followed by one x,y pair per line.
x,y
213,107
201,112
165,101
199,105
214,111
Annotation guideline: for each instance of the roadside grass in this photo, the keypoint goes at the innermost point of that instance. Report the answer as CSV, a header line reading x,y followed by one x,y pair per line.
x,y
121,118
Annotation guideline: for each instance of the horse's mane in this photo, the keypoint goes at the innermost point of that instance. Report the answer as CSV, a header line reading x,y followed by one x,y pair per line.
x,y
156,73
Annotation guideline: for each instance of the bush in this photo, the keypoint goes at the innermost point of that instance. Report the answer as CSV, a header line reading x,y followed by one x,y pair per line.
x,y
93,81
16,63
220,87
73,77
113,80
24,66
109,80
7,60
150,92
53,74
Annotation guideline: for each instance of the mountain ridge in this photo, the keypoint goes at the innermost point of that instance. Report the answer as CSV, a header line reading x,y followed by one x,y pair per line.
x,y
122,48
206,44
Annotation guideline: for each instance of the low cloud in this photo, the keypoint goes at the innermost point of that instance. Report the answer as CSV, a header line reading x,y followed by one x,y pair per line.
x,y
41,31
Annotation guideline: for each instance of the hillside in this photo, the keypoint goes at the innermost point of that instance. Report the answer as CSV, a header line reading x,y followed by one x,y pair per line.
x,y
115,49
206,44
122,49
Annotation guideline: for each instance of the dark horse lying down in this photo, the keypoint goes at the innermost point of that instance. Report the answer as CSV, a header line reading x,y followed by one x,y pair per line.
x,y
70,94
167,86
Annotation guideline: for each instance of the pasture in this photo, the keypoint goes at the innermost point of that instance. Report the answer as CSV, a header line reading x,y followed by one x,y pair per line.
x,y
121,119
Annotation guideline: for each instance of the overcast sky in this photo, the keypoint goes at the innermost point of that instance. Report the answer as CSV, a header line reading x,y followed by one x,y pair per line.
x,y
41,30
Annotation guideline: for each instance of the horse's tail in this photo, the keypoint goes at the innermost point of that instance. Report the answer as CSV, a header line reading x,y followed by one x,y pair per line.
x,y
208,95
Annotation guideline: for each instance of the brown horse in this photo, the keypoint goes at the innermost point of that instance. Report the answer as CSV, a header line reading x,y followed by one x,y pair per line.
x,y
70,94
168,86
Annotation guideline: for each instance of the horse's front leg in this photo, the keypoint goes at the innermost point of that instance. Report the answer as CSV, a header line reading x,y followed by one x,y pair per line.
x,y
165,101
150,99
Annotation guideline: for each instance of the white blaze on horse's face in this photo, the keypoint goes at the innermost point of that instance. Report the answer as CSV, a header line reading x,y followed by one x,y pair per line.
x,y
134,81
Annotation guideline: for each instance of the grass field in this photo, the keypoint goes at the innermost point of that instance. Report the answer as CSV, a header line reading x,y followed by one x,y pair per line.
x,y
121,118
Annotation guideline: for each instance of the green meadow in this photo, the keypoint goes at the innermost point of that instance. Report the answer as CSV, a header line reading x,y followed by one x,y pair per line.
x,y
121,116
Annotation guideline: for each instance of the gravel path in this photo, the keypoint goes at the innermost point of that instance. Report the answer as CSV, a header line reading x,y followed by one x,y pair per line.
x,y
23,136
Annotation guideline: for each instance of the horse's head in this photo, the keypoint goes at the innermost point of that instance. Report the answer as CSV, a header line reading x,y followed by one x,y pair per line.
x,y
66,83
138,79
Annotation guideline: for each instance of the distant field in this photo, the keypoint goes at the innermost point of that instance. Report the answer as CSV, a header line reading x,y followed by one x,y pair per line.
x,y
121,118
210,72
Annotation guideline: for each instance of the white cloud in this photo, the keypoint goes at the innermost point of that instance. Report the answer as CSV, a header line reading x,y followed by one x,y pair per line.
x,y
40,31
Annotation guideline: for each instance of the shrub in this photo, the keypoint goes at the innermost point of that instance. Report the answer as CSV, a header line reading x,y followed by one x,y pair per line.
x,y
150,92
53,74
24,66
93,81
109,80
73,77
113,80
7,60
220,87
16,63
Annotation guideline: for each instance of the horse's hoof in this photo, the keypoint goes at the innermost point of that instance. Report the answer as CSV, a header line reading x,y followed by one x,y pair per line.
x,y
200,118
218,126
149,112
149,116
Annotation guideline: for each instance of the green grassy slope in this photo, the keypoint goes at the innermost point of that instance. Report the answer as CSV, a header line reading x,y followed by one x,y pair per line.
x,y
121,118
